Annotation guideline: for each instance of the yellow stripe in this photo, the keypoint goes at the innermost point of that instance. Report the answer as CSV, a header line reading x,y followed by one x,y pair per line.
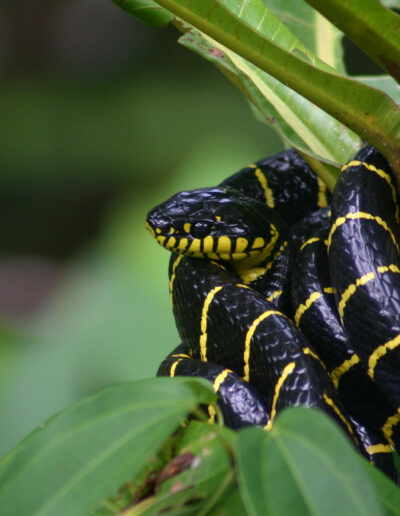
x,y
219,265
388,268
208,244
241,244
329,290
220,379
351,290
379,352
195,246
322,199
309,241
305,306
249,274
203,323
249,335
287,370
224,245
329,401
269,197
171,281
212,413
183,242
360,215
387,428
170,242
180,355
258,243
339,371
308,351
274,295
381,173
173,367
378,448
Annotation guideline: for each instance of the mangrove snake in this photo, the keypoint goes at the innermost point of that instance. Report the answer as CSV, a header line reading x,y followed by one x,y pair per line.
x,y
284,297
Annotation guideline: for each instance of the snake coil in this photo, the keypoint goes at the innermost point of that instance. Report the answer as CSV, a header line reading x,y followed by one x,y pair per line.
x,y
283,296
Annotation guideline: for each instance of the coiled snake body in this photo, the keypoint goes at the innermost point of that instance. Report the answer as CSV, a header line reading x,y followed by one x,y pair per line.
x,y
281,301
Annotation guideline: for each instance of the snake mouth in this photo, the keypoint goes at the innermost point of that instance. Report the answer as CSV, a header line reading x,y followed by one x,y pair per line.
x,y
150,229
222,248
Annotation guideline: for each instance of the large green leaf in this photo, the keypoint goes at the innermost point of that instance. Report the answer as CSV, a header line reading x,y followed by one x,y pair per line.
x,y
315,31
261,40
373,27
87,451
300,123
147,11
387,492
304,466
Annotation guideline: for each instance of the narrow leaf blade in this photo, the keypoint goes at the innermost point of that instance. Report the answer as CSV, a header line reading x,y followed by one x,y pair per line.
x,y
320,36
146,11
373,27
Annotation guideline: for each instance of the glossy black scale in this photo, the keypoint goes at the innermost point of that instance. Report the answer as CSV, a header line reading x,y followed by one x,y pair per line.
x,y
321,325
307,228
239,402
215,312
293,184
371,315
275,344
274,284
375,450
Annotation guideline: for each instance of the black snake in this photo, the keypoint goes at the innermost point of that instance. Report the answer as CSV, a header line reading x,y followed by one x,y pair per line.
x,y
283,296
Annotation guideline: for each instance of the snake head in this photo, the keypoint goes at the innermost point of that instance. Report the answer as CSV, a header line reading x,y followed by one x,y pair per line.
x,y
218,223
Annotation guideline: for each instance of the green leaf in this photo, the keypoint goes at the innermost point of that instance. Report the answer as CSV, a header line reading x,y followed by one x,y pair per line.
x,y
387,492
305,463
370,25
384,83
300,123
146,11
88,450
392,4
316,32
261,40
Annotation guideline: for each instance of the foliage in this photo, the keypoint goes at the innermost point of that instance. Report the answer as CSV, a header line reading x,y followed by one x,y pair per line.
x,y
288,64
79,457
274,65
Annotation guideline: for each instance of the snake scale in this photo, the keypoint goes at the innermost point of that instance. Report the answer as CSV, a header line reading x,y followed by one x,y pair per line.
x,y
284,295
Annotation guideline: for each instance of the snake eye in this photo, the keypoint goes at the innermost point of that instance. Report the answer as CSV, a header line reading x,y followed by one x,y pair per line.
x,y
201,229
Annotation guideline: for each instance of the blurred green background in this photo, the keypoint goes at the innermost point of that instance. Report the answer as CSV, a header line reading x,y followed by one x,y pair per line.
x,y
102,118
